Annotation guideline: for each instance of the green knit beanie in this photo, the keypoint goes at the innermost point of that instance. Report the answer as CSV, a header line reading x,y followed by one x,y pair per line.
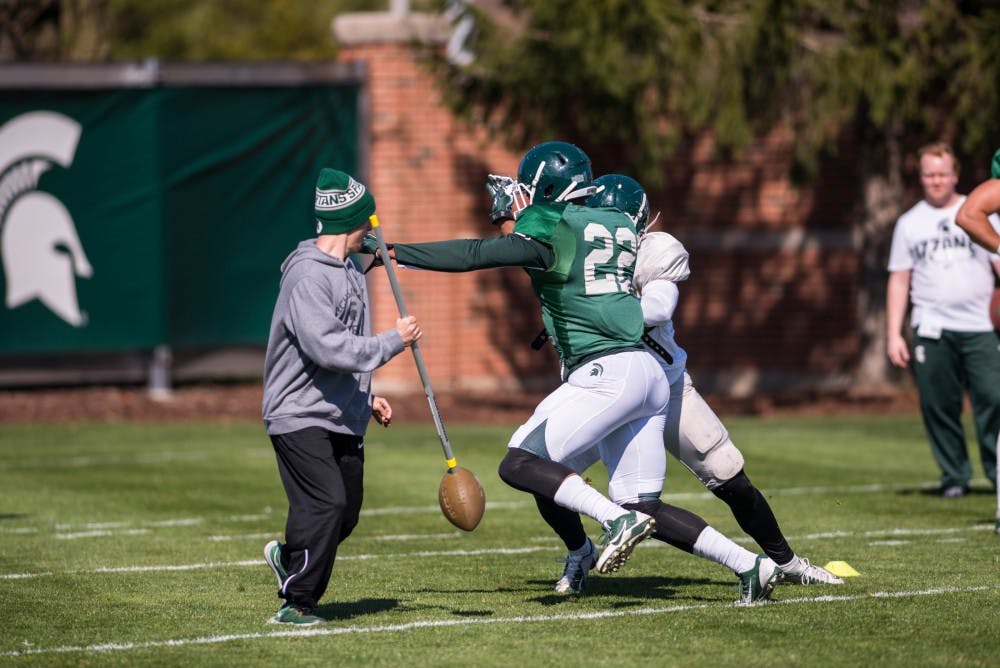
x,y
995,165
342,204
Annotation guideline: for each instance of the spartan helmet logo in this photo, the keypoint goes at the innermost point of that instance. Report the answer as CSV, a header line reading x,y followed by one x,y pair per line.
x,y
42,254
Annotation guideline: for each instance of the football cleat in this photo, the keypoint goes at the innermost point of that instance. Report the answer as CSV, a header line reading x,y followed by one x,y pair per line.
x,y
805,573
578,565
954,492
290,614
756,584
620,537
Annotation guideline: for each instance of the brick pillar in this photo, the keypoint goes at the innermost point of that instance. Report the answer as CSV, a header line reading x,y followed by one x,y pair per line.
x,y
428,175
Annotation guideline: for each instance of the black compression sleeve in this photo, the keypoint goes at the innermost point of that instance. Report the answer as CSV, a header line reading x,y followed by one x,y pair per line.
x,y
512,250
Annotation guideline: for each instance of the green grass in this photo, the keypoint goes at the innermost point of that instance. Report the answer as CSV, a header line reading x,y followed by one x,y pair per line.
x,y
141,545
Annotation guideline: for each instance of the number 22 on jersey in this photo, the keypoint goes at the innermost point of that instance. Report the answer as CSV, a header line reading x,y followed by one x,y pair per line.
x,y
608,268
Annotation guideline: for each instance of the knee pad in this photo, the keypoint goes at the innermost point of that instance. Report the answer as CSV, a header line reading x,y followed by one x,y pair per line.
x,y
528,472
703,444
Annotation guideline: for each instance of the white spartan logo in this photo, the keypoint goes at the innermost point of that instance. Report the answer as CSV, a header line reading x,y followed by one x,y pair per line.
x,y
41,251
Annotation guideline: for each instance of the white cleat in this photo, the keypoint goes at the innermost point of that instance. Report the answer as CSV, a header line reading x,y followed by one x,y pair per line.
x,y
575,575
810,574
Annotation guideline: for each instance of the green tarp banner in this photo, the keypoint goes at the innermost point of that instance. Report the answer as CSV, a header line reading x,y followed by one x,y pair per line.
x,y
138,217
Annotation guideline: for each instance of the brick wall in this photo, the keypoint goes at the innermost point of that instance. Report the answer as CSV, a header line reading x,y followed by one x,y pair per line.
x,y
771,301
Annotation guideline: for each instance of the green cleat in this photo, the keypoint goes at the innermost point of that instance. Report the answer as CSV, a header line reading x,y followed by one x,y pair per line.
x,y
290,614
756,584
620,538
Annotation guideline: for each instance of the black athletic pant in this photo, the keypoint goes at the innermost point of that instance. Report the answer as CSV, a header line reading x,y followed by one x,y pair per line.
x,y
322,474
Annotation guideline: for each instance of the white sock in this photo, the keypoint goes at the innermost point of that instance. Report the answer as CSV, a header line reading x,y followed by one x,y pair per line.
x,y
577,495
792,567
714,546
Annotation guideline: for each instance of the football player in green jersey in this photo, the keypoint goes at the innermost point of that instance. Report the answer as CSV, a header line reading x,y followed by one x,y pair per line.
x,y
694,434
614,393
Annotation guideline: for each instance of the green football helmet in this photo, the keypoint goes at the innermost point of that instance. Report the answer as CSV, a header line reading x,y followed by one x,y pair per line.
x,y
625,194
555,171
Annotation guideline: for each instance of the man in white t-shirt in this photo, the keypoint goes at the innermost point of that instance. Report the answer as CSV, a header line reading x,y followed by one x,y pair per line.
x,y
949,280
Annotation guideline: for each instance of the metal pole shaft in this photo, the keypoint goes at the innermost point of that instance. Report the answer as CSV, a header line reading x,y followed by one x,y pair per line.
x,y
390,272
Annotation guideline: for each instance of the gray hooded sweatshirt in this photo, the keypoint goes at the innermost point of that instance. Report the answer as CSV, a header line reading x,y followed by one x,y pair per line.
x,y
320,351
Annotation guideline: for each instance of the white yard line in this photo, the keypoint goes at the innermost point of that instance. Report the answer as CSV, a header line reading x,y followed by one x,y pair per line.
x,y
949,531
450,623
260,562
406,510
80,461
89,530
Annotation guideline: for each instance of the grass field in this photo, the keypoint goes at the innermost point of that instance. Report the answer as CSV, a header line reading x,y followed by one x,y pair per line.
x,y
135,545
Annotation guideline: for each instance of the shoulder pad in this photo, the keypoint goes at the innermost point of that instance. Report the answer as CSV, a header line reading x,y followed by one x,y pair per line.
x,y
661,257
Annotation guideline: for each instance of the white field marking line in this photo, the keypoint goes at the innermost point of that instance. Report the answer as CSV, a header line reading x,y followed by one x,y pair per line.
x,y
854,534
251,518
81,461
401,537
399,510
103,529
100,529
99,534
95,525
245,536
448,623
259,562
648,544
416,536
513,505
508,505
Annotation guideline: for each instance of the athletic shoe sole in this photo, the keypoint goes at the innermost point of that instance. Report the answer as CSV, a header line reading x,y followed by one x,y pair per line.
x,y
615,555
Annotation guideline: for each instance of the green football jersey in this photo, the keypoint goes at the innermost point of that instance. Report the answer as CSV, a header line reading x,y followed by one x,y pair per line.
x,y
587,306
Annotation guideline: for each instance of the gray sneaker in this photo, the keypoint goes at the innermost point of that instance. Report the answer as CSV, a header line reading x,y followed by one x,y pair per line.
x,y
574,577
954,492
272,555
756,584
810,574
290,614
620,538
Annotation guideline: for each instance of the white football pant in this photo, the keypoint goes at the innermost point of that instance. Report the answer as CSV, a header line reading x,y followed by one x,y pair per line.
x,y
618,401
693,434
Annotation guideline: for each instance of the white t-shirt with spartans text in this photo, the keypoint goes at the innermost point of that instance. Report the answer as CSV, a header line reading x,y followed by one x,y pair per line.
x,y
951,278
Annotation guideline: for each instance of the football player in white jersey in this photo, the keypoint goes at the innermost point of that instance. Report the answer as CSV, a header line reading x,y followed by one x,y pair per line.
x,y
694,434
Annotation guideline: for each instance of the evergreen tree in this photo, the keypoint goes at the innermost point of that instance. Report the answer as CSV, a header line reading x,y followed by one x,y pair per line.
x,y
173,30
642,76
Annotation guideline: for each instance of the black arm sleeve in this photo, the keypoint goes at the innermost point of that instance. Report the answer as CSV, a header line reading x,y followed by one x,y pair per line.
x,y
456,255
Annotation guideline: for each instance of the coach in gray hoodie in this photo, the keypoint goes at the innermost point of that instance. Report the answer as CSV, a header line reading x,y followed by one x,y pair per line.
x,y
317,392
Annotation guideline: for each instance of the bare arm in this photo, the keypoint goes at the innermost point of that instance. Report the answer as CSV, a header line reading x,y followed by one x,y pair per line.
x,y
897,298
972,216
